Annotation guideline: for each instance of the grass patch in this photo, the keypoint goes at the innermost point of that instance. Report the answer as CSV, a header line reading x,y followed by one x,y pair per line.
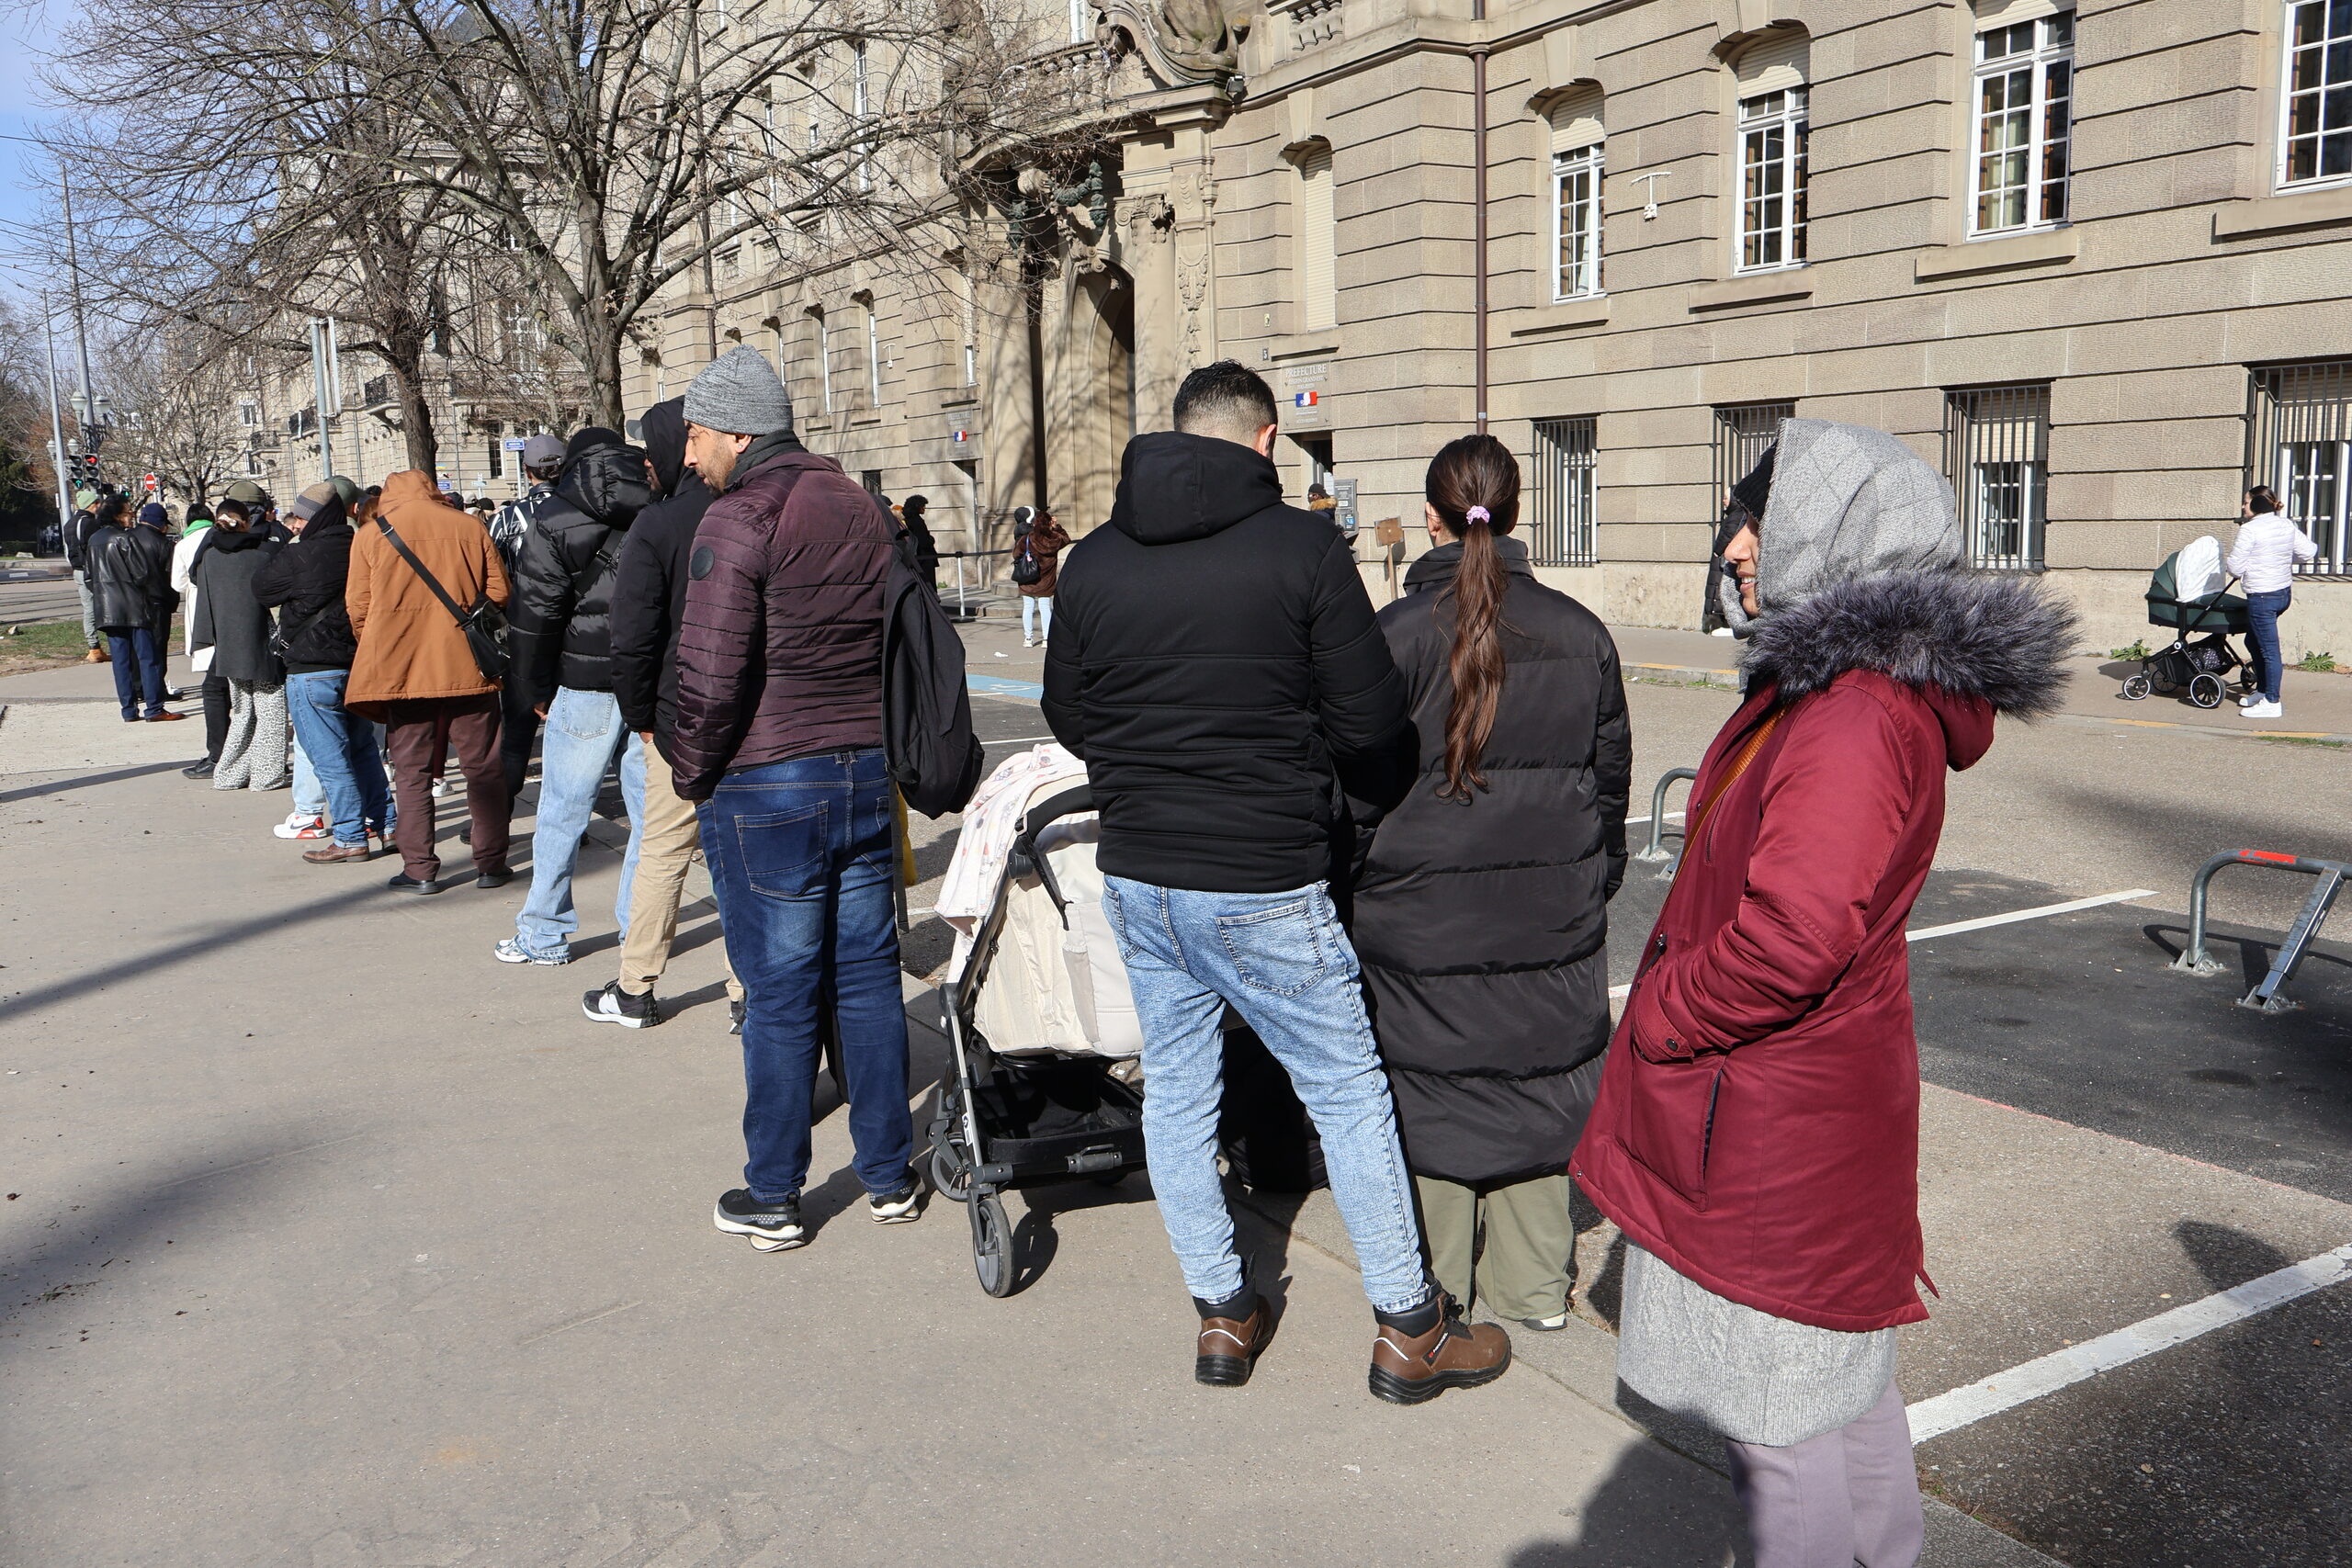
x,y
2304,740
2317,663
29,645
2135,651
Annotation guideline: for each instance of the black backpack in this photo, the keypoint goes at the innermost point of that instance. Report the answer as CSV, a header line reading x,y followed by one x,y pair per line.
x,y
926,709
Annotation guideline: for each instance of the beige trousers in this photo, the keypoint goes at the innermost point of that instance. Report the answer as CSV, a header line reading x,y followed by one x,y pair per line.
x,y
1522,1270
667,841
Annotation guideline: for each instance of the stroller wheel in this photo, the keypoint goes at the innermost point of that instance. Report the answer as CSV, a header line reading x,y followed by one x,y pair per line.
x,y
991,1246
2206,692
951,1173
2136,687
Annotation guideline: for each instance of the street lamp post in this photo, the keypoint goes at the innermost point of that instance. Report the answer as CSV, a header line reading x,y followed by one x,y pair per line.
x,y
89,408
56,424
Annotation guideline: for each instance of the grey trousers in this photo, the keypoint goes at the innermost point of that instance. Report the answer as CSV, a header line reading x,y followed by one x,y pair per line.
x,y
89,610
1848,1496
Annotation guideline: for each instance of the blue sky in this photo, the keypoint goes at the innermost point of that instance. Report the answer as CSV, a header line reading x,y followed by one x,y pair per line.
x,y
24,189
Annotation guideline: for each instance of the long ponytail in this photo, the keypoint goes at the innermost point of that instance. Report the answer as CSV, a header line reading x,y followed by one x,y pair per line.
x,y
1474,484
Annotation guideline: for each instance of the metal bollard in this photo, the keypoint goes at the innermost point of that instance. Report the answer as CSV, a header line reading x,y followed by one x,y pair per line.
x,y
2264,997
1655,852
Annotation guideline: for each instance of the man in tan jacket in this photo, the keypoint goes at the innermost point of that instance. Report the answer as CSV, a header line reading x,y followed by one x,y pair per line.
x,y
417,673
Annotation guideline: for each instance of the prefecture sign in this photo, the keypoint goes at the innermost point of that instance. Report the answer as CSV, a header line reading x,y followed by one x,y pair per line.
x,y
512,444
1305,385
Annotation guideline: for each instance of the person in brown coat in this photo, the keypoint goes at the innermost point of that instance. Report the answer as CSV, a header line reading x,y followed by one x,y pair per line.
x,y
415,673
1037,541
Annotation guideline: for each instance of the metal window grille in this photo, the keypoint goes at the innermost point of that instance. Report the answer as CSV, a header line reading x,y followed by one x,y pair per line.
x,y
1772,180
1565,470
2024,123
2315,132
1743,431
2298,442
1996,453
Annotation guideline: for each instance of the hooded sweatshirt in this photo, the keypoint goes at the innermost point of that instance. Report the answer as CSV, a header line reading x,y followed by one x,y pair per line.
x,y
1213,655
650,586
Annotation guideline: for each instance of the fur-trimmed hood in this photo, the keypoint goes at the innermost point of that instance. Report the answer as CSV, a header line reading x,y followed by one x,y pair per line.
x,y
1995,641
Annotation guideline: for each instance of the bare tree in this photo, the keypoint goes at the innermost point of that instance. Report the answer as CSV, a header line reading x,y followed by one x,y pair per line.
x,y
580,156
175,412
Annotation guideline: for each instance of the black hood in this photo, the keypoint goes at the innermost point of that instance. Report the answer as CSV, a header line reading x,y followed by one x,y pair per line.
x,y
605,477
1999,640
1174,487
1443,564
664,426
228,541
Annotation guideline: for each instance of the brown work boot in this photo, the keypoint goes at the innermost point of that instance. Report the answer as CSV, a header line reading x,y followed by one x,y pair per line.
x,y
336,854
98,656
1408,1366
1232,1333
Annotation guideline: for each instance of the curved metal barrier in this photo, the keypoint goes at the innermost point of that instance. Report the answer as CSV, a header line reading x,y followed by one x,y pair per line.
x,y
2264,997
1655,850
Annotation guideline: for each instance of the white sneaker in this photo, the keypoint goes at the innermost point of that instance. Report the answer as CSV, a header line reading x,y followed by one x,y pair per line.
x,y
2262,710
300,825
2250,699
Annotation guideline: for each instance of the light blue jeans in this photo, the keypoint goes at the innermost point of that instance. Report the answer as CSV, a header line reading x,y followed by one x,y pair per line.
x,y
358,801
576,749
1283,963
309,793
1037,614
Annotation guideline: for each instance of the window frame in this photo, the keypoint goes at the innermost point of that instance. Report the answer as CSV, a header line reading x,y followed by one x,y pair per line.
x,y
2037,62
1566,466
2282,179
2296,409
1592,162
1318,233
1793,118
873,356
2001,426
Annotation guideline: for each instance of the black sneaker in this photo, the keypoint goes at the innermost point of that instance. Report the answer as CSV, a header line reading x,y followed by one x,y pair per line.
x,y
199,770
897,1208
735,1009
613,1005
773,1227
404,883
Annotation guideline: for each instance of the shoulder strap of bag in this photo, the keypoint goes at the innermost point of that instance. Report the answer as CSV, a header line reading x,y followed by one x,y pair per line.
x,y
400,545
1730,776
587,574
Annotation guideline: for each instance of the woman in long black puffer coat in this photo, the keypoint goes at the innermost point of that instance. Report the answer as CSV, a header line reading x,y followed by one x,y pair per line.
x,y
1481,899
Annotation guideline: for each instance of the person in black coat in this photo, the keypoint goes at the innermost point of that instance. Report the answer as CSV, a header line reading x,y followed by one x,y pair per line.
x,y
130,571
649,608
1481,898
304,583
915,513
560,646
230,621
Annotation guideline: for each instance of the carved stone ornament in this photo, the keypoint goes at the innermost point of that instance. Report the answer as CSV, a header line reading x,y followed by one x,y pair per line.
x,y
1184,42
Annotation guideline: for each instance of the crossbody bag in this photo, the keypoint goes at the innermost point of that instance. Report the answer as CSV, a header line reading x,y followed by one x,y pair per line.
x,y
480,625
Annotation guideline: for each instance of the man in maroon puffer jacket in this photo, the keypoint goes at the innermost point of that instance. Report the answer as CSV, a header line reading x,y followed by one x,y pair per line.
x,y
779,739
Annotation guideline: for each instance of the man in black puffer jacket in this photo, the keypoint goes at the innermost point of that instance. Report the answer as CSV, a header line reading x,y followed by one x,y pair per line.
x,y
649,608
560,646
1213,656
304,582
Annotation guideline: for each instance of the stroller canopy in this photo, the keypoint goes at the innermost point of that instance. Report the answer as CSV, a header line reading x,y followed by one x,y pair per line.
x,y
2184,593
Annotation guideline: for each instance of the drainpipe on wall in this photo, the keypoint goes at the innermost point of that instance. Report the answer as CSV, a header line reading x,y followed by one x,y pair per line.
x,y
1479,215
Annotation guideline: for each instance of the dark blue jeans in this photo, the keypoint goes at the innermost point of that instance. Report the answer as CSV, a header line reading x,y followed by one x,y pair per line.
x,y
138,654
801,856
2262,613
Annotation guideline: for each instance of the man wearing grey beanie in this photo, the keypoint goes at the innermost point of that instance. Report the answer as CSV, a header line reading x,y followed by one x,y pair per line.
x,y
778,738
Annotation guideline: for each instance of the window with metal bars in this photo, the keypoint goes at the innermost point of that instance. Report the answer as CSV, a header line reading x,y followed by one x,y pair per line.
x,y
1743,432
2024,123
2315,105
1565,471
1996,453
2298,442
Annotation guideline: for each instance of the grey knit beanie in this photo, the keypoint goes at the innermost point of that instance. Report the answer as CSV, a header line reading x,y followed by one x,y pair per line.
x,y
739,394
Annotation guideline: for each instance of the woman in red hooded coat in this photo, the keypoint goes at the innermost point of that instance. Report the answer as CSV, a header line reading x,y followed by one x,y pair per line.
x,y
1756,1136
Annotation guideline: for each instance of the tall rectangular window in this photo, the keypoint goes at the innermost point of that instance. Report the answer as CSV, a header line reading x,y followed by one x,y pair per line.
x,y
1081,20
497,449
2315,136
2299,443
861,109
1772,176
2025,77
1576,205
971,324
873,358
1317,243
823,359
1996,453
1564,493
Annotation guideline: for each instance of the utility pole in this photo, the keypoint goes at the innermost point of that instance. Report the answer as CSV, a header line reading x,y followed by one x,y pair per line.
x,y
56,424
89,408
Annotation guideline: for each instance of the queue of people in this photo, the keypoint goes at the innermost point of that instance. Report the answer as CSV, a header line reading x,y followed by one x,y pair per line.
x,y
1386,840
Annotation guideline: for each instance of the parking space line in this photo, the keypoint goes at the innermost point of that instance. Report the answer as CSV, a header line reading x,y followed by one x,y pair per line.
x,y
1943,1413
1618,993
1643,821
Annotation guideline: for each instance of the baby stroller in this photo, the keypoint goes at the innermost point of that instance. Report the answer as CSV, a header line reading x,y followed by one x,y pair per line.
x,y
1038,1015
2189,594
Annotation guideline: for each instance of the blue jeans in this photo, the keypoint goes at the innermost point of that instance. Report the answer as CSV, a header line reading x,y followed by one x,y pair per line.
x,y
344,754
802,853
583,732
1037,613
2262,613
310,790
138,654
1283,963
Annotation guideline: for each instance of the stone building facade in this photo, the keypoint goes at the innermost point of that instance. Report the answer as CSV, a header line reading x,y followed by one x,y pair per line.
x,y
2090,258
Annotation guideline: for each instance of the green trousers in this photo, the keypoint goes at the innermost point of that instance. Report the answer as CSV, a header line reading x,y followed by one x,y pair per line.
x,y
1521,1270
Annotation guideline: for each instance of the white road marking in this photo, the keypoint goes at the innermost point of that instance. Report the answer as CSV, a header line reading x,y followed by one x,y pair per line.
x,y
1643,821
2046,1374
1618,993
